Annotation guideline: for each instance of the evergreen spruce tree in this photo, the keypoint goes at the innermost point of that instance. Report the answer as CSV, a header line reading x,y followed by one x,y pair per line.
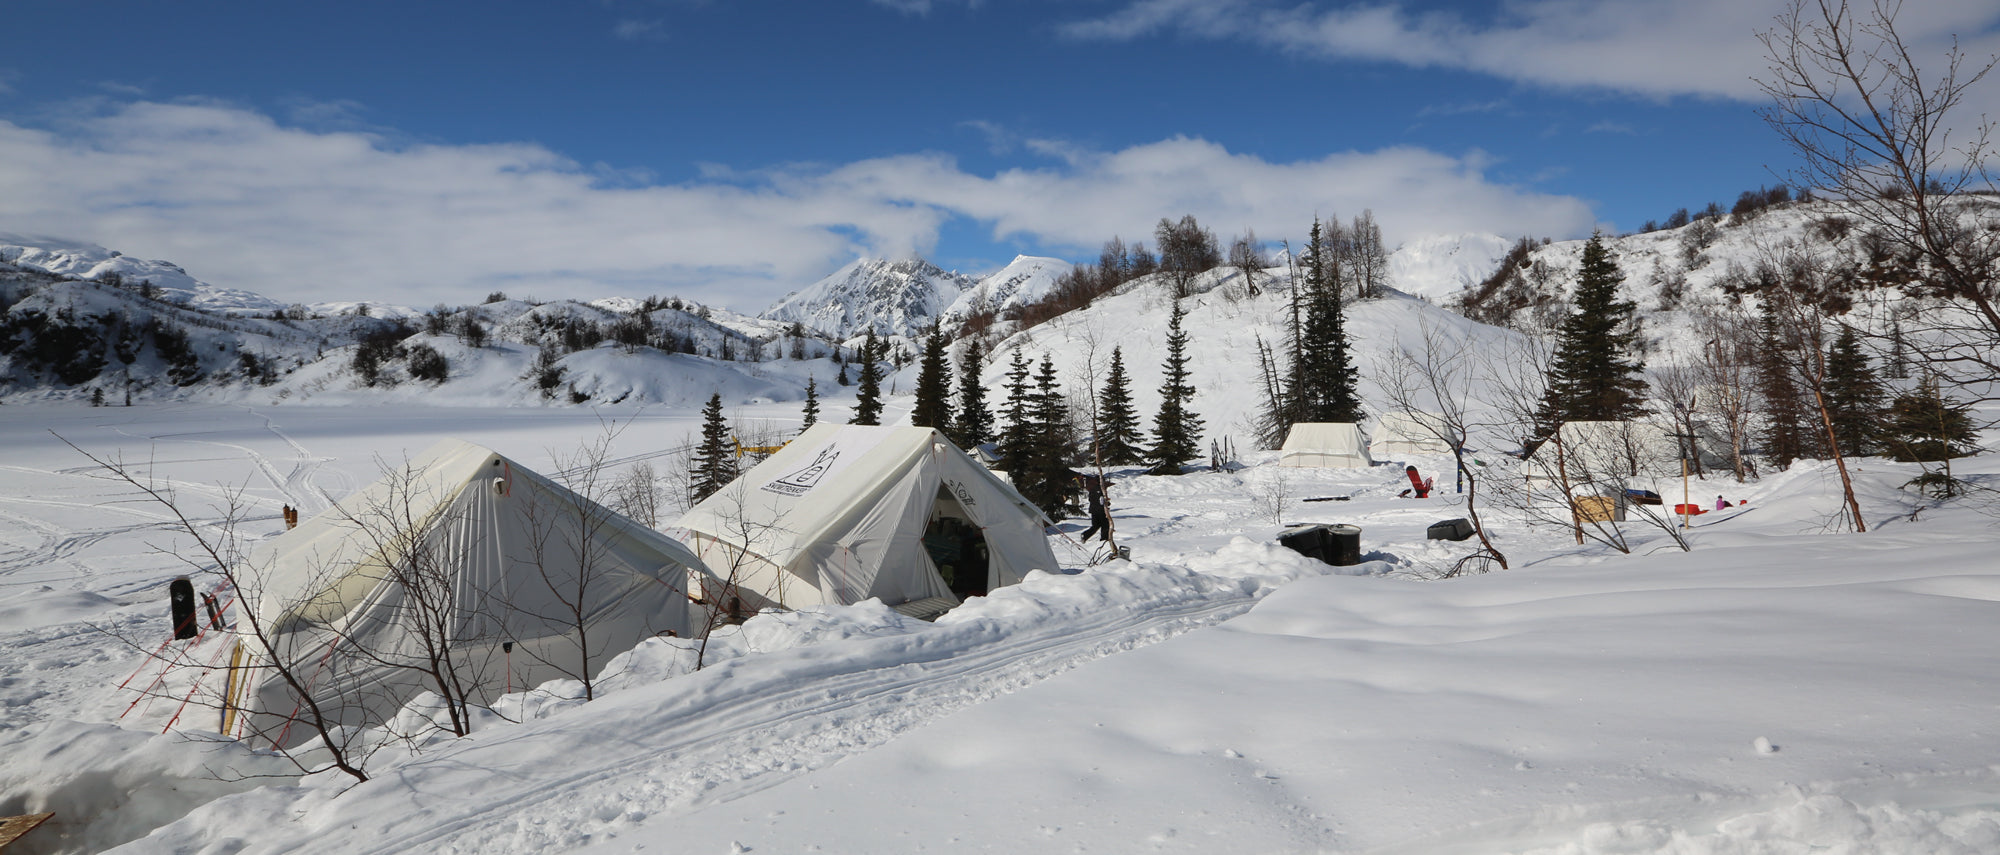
x,y
868,392
933,404
1049,479
1118,440
1176,429
714,460
1017,437
974,424
1786,434
1923,426
1854,396
1323,372
812,404
1594,375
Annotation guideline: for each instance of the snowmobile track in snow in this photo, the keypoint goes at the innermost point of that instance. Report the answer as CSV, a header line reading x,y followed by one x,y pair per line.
x,y
706,748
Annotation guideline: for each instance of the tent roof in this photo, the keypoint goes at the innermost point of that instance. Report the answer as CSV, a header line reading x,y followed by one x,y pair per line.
x,y
316,562
1324,436
818,483
1408,425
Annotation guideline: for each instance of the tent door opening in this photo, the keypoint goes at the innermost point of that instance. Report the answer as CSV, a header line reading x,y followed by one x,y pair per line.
x,y
957,547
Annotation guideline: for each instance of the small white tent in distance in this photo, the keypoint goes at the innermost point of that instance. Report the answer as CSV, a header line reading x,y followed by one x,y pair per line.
x,y
846,512
1607,457
1408,433
1325,445
459,553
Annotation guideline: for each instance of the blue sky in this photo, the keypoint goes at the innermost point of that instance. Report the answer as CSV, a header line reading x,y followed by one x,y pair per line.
x,y
731,150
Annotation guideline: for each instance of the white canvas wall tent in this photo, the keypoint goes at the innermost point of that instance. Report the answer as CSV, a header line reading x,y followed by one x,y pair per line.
x,y
845,513
1404,433
1325,445
1596,453
460,553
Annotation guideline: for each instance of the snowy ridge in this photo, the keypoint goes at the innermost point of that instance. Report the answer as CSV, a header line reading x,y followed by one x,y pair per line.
x,y
78,322
90,261
1439,266
1024,280
891,297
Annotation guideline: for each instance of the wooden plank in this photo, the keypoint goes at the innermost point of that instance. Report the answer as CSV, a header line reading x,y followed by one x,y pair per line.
x,y
12,827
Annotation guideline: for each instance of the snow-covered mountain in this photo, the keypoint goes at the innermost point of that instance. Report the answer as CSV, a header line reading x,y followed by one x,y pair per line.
x,y
80,322
1436,266
1026,279
891,297
71,327
90,261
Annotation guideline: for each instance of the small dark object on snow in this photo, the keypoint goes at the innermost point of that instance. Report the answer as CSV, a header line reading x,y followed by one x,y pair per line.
x,y
1643,497
214,613
1338,545
1458,529
180,598
1328,499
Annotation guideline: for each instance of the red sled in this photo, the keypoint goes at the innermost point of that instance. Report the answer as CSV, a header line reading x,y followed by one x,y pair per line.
x,y
1688,510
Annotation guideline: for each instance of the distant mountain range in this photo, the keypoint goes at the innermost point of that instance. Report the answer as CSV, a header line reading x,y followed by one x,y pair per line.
x,y
79,321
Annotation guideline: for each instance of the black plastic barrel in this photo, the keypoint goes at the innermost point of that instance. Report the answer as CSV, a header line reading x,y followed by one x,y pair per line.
x,y
1345,545
1311,541
1339,545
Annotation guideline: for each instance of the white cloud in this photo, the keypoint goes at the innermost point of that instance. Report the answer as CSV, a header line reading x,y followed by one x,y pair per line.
x,y
243,201
635,30
919,7
1462,108
1643,47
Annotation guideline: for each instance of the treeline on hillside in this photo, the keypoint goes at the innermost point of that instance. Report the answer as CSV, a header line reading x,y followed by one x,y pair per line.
x,y
72,347
138,339
1748,205
1044,433
1187,250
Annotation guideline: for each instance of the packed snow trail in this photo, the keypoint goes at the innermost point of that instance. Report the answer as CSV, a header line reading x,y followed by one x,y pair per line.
x,y
752,722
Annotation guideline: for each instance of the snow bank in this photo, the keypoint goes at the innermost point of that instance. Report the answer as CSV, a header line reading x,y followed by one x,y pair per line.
x,y
108,786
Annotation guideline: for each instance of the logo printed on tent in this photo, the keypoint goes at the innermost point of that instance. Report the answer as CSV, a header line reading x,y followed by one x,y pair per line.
x,y
962,493
801,482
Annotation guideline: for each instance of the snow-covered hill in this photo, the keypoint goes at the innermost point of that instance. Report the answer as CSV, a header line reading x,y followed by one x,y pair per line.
x,y
71,330
891,297
169,282
1438,266
1026,279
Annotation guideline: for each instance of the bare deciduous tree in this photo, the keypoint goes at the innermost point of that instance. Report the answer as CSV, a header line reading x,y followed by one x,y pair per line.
x,y
1799,285
1728,378
1894,145
219,554
1435,375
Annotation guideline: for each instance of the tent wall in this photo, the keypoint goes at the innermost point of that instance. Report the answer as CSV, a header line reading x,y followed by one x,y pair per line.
x,y
839,516
1325,445
504,554
1407,433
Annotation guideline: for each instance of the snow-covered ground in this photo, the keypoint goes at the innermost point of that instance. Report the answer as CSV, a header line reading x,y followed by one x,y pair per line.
x,y
1783,688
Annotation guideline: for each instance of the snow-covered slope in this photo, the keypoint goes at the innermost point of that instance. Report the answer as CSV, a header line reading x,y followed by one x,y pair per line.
x,y
1026,279
90,261
1437,266
1780,689
1225,326
891,297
